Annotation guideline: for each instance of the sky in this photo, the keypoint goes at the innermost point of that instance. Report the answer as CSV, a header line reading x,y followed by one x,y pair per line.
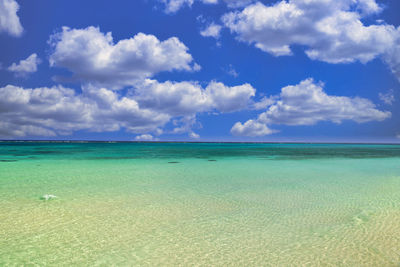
x,y
200,70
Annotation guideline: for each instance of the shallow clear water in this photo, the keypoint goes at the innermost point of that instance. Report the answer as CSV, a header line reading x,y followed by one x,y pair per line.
x,y
199,204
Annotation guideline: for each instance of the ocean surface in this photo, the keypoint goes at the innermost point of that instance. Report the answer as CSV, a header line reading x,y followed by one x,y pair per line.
x,y
192,204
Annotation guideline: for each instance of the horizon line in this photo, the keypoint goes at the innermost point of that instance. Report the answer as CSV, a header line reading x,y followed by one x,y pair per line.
x,y
199,142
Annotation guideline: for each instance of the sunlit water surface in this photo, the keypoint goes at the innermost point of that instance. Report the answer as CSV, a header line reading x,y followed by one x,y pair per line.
x,y
199,204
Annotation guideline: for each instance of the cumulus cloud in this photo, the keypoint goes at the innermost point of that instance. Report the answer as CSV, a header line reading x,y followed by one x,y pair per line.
x,y
251,128
367,7
212,30
25,66
174,98
229,99
145,109
307,104
93,57
9,20
185,98
331,30
61,111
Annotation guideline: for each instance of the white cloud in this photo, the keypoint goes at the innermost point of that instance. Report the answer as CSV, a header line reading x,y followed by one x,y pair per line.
x,y
194,135
172,6
185,124
251,128
145,109
39,111
367,7
307,104
212,30
9,20
264,103
185,98
113,112
392,57
229,99
60,111
94,58
25,66
145,137
331,30
388,97
174,98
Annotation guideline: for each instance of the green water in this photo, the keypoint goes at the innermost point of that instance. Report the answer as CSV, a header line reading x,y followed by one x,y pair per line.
x,y
126,204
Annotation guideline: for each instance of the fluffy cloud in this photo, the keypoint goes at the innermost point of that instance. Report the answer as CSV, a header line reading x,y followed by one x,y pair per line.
x,y
212,30
174,98
331,30
251,128
60,111
230,99
39,111
264,102
146,108
9,20
172,6
93,57
25,66
112,112
308,104
367,7
145,137
186,98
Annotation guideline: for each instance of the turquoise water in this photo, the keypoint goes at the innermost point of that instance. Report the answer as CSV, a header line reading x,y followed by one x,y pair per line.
x,y
172,204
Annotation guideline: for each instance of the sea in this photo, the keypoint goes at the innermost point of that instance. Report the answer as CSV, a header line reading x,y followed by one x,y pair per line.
x,y
199,204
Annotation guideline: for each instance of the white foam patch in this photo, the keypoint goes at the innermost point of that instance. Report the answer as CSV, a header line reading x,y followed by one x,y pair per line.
x,y
48,197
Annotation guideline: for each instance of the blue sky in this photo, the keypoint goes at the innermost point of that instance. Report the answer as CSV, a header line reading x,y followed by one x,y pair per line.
x,y
200,70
